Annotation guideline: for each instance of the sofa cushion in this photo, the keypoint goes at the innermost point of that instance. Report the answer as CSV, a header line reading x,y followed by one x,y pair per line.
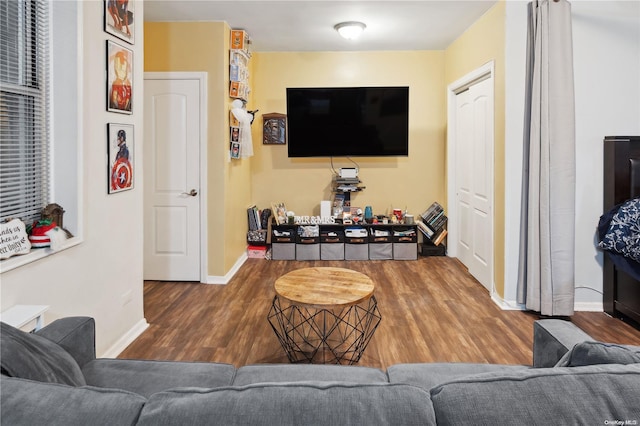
x,y
29,356
304,403
148,377
542,396
428,375
315,372
590,353
29,403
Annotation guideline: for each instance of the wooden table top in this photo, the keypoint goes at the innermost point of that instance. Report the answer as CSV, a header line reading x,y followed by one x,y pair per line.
x,y
324,286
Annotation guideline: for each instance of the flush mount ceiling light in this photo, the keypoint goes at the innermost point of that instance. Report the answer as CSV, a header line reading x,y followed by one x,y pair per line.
x,y
350,30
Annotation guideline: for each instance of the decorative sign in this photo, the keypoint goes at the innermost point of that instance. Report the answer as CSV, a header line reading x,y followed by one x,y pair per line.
x,y
314,220
13,239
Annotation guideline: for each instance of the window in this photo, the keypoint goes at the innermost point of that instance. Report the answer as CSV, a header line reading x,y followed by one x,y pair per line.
x,y
24,109
40,115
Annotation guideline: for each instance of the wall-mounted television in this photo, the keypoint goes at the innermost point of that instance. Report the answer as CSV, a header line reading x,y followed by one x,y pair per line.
x,y
348,121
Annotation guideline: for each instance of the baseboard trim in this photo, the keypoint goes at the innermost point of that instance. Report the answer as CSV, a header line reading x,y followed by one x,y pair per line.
x,y
217,279
507,305
588,306
126,339
512,305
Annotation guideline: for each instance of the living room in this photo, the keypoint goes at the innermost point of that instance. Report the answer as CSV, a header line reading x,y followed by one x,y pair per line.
x,y
102,276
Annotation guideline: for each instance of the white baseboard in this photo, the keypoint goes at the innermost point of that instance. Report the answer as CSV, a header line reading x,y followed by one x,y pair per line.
x,y
507,305
588,306
126,339
512,305
216,279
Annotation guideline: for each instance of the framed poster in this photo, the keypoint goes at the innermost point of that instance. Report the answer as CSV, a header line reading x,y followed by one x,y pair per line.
x,y
119,18
120,144
119,85
274,129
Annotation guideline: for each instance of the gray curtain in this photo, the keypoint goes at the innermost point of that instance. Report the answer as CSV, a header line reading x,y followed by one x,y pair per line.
x,y
546,262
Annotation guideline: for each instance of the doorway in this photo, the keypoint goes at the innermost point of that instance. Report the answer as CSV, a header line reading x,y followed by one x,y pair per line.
x,y
470,153
175,176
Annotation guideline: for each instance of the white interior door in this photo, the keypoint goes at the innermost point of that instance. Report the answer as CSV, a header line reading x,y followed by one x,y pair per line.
x,y
171,179
474,180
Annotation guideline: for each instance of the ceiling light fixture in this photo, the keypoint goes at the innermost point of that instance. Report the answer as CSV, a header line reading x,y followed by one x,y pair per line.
x,y
350,30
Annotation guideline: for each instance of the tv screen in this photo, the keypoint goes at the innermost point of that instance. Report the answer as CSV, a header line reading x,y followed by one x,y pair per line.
x,y
348,121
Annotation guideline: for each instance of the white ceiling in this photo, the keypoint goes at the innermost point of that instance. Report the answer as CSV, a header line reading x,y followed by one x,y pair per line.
x,y
308,25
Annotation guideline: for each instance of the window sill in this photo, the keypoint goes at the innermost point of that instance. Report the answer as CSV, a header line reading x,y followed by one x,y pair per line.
x,y
34,255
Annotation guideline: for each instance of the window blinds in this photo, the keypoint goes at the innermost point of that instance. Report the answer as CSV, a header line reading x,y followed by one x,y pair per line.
x,y
24,109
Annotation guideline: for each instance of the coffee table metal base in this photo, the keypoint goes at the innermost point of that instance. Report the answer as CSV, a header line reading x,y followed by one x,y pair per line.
x,y
324,335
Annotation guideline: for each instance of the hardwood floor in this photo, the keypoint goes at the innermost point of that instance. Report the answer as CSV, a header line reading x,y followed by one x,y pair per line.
x,y
432,311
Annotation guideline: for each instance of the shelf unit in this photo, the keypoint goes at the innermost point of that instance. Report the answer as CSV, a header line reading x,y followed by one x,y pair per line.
x,y
433,227
344,242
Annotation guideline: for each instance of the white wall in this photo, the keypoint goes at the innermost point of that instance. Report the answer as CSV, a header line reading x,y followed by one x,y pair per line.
x,y
102,276
606,49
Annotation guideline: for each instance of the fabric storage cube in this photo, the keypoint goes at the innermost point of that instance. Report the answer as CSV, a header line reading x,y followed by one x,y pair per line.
x,y
332,251
283,251
380,251
356,251
405,251
308,251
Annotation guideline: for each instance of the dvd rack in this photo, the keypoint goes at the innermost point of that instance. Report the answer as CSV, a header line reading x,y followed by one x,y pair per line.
x,y
343,187
433,224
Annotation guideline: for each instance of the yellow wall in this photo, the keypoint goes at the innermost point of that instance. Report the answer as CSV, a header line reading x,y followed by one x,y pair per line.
x,y
482,42
204,46
413,182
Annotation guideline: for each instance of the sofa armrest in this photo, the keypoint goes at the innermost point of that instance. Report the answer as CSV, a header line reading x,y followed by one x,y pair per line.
x,y
76,335
552,338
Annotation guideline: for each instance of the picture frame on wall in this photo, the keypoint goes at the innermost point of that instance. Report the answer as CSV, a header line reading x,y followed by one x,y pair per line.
x,y
119,81
120,149
119,19
274,129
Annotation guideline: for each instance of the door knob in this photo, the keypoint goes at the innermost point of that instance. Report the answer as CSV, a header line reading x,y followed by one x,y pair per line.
x,y
191,193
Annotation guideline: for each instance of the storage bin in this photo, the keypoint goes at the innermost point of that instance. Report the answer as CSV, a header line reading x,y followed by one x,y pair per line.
x,y
332,251
405,251
380,251
308,251
356,251
283,251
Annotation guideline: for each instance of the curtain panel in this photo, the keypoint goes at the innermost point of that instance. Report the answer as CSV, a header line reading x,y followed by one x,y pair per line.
x,y
547,227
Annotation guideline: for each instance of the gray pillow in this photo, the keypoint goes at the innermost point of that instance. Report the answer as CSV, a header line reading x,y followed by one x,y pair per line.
x,y
591,353
33,357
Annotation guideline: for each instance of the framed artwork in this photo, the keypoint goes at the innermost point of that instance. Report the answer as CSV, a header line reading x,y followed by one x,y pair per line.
x,y
274,129
235,134
235,150
119,18
119,85
120,144
279,211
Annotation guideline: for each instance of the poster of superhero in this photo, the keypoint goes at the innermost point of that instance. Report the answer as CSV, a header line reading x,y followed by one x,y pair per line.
x,y
120,154
119,18
119,85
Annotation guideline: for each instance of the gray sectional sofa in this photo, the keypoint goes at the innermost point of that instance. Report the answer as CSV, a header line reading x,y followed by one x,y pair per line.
x,y
52,377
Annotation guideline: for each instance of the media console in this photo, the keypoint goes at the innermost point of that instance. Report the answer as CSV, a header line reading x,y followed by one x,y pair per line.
x,y
344,242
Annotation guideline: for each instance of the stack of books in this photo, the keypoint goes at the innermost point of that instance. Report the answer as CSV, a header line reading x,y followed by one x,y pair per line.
x,y
433,223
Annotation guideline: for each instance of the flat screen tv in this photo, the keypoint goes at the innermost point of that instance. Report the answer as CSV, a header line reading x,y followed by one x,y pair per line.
x,y
348,121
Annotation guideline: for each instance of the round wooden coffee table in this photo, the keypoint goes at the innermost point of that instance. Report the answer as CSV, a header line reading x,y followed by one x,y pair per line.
x,y
324,314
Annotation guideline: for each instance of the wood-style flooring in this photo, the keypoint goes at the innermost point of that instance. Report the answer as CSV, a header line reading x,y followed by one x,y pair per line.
x,y
432,310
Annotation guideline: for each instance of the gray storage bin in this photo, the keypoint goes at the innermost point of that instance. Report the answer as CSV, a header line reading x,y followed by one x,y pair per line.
x,y
283,251
381,251
307,251
332,251
405,251
356,251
